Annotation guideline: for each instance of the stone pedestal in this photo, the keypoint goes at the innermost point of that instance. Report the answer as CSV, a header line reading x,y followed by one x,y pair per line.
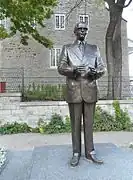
x,y
52,163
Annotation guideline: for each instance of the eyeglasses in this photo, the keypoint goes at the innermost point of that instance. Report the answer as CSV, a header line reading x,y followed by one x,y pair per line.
x,y
81,28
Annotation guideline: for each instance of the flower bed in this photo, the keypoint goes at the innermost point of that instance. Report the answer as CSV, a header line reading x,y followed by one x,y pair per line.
x,y
3,153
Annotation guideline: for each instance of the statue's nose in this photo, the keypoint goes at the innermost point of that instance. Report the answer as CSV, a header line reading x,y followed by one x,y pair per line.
x,y
82,30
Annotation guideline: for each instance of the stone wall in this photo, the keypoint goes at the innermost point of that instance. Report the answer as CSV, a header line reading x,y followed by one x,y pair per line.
x,y
12,109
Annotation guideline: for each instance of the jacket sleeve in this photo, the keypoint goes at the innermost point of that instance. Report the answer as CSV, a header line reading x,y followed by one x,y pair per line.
x,y
99,65
63,65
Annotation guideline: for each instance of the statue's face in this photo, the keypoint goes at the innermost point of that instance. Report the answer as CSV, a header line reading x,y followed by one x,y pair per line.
x,y
81,32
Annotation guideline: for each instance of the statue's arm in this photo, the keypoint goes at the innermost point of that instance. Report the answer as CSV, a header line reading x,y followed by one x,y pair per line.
x,y
99,65
63,66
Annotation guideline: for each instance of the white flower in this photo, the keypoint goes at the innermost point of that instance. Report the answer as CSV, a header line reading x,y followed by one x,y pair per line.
x,y
3,153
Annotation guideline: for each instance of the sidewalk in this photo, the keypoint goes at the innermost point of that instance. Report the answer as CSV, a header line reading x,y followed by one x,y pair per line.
x,y
32,140
36,157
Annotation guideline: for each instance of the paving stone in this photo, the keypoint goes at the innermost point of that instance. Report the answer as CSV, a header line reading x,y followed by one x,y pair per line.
x,y
52,163
18,167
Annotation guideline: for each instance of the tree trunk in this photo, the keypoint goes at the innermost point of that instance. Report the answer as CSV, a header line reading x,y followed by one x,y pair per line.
x,y
117,70
109,58
113,49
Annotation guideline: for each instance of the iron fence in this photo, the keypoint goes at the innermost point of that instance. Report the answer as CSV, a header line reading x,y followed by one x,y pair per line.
x,y
52,88
13,78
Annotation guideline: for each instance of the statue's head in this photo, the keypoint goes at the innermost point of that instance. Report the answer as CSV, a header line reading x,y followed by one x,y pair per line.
x,y
81,30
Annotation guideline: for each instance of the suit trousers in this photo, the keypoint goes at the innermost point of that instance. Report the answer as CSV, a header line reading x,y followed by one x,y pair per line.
x,y
77,111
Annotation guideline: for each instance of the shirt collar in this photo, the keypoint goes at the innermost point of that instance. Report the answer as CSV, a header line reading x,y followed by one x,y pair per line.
x,y
81,42
78,42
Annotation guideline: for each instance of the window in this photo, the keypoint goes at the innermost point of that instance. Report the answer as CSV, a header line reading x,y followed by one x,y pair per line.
x,y
55,53
59,21
84,18
3,22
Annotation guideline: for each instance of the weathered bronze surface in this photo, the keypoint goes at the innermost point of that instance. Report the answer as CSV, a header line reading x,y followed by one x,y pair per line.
x,y
82,65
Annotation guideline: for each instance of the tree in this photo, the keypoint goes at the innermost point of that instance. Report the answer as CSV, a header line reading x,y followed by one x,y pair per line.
x,y
26,17
114,48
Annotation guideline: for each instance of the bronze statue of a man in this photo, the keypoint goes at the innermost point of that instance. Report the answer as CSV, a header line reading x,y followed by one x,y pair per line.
x,y
82,65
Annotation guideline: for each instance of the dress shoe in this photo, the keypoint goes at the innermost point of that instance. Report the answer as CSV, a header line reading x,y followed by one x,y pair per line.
x,y
94,158
75,159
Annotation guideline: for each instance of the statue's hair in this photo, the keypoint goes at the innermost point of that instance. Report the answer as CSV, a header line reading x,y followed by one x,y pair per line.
x,y
77,26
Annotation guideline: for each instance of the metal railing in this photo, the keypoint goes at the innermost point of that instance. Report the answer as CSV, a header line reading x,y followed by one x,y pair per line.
x,y
13,77
52,88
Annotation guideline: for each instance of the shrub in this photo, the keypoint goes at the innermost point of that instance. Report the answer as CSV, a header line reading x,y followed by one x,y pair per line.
x,y
67,124
44,92
56,125
103,121
122,117
15,128
118,122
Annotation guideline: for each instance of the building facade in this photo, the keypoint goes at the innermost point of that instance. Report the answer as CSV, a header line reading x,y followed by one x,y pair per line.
x,y
40,63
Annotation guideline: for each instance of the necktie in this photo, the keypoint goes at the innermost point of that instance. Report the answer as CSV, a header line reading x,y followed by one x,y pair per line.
x,y
81,47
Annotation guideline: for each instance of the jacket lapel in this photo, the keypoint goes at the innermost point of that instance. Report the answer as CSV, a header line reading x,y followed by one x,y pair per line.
x,y
89,56
76,56
75,50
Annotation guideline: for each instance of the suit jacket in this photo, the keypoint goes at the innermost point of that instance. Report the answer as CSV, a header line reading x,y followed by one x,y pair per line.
x,y
78,87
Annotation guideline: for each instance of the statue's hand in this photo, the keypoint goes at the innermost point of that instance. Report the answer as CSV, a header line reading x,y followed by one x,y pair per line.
x,y
92,71
80,69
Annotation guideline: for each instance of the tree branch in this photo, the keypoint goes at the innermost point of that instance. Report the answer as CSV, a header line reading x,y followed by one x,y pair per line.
x,y
119,4
127,4
124,6
110,2
77,4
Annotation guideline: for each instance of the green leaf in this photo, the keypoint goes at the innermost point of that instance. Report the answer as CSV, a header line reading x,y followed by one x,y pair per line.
x,y
23,14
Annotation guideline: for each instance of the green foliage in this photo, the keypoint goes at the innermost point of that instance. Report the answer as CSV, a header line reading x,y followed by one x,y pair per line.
x,y
100,3
56,125
16,128
28,17
3,33
118,122
44,92
103,121
67,124
122,116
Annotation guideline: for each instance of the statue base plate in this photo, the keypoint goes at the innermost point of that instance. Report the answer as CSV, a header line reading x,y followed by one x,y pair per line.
x,y
52,163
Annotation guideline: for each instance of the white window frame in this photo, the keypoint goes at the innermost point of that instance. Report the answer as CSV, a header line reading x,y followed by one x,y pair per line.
x,y
84,16
60,28
51,57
